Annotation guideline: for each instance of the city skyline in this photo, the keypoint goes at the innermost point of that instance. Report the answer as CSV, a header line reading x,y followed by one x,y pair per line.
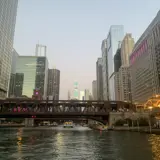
x,y
86,39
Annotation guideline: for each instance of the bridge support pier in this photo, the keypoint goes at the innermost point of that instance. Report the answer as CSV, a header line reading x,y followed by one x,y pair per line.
x,y
114,116
29,122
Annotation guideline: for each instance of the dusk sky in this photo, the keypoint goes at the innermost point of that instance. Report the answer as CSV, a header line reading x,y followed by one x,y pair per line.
x,y
73,31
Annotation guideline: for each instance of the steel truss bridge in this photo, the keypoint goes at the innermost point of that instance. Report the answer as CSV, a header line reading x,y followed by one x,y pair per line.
x,y
17,108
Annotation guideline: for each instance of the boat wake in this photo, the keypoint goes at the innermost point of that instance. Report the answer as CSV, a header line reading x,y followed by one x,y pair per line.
x,y
75,128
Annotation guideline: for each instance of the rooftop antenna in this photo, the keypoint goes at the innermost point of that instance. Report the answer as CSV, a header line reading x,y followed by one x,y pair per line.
x,y
40,49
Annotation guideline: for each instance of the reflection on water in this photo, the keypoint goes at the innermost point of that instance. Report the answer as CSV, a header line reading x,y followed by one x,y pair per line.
x,y
43,144
155,143
19,143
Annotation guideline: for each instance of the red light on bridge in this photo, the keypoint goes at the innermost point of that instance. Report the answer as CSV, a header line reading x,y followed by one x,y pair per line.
x,y
33,116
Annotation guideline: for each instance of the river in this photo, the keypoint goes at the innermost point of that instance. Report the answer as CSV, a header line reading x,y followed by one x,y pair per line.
x,y
49,144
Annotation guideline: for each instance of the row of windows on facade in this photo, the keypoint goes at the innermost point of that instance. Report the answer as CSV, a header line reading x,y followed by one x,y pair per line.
x,y
143,48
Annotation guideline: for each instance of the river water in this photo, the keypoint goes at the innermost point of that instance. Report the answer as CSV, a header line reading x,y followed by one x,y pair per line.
x,y
50,144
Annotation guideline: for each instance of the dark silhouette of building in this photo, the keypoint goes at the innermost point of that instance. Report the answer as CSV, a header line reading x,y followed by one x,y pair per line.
x,y
117,60
99,79
41,77
18,85
53,84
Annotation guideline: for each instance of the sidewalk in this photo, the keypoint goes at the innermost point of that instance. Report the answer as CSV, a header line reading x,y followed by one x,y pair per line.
x,y
136,129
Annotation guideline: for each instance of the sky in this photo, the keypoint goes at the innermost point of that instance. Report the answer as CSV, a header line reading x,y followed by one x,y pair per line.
x,y
73,31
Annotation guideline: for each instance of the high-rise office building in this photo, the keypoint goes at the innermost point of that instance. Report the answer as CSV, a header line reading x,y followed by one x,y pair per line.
x,y
126,48
69,95
115,36
94,90
117,86
31,73
124,71
145,63
99,79
86,94
117,65
8,12
90,97
81,97
76,91
117,60
14,59
124,83
105,70
53,84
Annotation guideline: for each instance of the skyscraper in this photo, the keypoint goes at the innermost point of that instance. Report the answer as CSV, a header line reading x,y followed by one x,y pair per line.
x,y
105,70
86,94
76,91
53,84
115,35
117,65
94,90
126,48
13,73
8,12
81,97
124,71
145,63
69,95
31,73
99,79
124,83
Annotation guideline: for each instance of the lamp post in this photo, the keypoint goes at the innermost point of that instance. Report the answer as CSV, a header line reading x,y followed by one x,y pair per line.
x,y
150,126
138,123
132,119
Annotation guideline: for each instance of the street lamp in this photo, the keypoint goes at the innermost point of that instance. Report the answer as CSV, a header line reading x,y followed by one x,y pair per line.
x,y
157,95
150,127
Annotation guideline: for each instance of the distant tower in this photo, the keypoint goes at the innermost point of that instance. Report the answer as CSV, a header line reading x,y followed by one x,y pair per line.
x,y
75,92
53,83
41,50
69,95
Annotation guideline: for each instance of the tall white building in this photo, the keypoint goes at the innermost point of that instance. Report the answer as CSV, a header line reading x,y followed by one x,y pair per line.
x,y
126,48
81,95
15,56
8,12
86,94
124,71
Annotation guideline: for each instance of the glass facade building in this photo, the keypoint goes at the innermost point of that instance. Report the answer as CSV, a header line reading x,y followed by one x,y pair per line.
x,y
115,36
26,65
8,12
13,73
31,73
